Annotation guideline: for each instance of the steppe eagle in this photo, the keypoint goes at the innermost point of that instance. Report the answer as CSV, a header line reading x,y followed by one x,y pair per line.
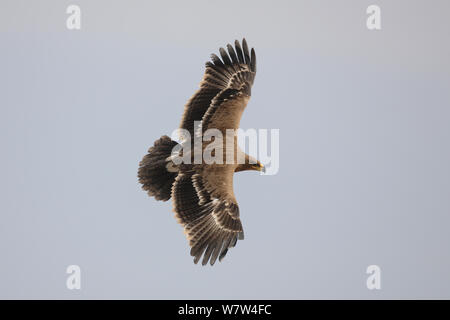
x,y
202,194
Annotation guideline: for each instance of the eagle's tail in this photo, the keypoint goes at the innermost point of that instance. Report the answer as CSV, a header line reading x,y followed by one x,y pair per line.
x,y
153,171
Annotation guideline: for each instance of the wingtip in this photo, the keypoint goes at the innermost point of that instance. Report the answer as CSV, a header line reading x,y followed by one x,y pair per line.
x,y
253,60
223,254
245,51
225,58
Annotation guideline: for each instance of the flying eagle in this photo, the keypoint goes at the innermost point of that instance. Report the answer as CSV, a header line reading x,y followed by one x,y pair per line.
x,y
202,194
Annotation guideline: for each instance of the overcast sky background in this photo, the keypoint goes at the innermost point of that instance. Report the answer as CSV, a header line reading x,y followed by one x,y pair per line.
x,y
364,148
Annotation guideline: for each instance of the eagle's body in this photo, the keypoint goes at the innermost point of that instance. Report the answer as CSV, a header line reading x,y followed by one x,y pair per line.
x,y
202,193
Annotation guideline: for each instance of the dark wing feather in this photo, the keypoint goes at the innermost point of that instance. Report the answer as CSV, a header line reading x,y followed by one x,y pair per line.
x,y
211,224
239,52
232,54
246,55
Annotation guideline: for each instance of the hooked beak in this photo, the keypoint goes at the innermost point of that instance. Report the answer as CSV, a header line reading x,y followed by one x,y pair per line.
x,y
262,168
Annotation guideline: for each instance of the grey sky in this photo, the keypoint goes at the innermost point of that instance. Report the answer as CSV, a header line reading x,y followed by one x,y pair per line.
x,y
364,148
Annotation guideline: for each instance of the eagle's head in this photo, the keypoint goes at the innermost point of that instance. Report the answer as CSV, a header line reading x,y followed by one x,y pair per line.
x,y
251,165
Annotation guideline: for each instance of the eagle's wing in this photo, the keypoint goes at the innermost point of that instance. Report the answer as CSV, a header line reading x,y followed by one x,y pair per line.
x,y
223,80
228,105
203,196
209,216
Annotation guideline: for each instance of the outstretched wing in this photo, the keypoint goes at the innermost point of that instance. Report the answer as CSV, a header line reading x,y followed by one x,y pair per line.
x,y
224,80
209,215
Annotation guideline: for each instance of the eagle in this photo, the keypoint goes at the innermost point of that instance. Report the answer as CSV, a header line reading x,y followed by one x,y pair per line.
x,y
202,193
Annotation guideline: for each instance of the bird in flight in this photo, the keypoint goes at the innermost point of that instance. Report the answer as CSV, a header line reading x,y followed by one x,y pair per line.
x,y
202,193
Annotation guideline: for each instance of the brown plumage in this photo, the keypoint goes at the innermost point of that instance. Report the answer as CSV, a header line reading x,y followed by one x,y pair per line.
x,y
203,197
